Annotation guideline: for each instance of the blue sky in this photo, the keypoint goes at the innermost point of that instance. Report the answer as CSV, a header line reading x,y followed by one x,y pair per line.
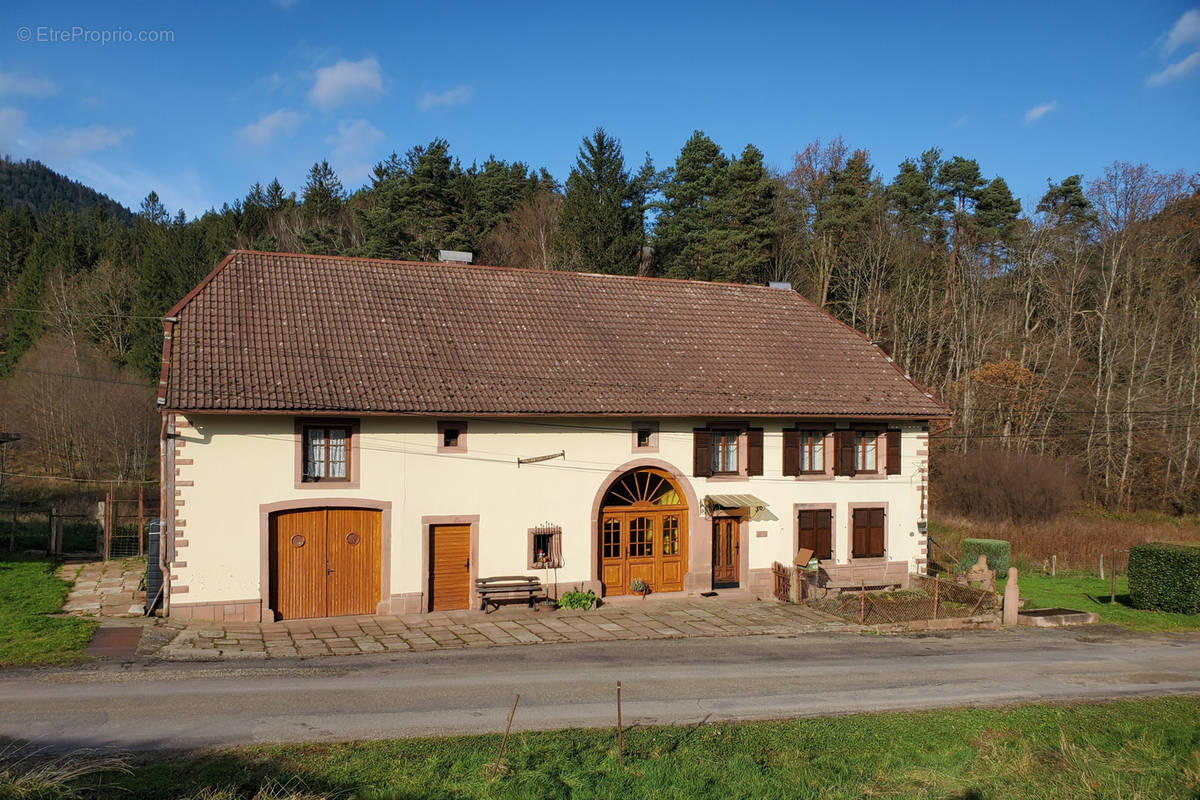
x,y
254,90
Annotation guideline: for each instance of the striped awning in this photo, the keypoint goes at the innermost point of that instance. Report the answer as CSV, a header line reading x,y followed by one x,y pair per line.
x,y
754,505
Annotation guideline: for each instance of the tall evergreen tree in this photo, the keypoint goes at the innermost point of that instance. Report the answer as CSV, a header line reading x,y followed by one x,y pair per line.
x,y
601,227
694,210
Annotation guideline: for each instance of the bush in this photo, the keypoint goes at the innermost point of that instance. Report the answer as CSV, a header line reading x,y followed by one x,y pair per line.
x,y
1165,576
577,599
998,553
1003,484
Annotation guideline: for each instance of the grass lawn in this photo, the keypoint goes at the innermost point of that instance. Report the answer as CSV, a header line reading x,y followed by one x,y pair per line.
x,y
29,590
1089,593
1129,749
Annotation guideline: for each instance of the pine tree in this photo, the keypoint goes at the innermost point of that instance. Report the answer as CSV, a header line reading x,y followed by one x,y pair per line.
x,y
600,228
751,219
324,198
693,220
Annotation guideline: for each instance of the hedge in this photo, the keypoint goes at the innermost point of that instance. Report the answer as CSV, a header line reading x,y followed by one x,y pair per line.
x,y
1165,576
998,552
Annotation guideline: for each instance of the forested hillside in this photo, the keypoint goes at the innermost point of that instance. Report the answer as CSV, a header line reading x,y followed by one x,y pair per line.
x,y
1069,331
33,185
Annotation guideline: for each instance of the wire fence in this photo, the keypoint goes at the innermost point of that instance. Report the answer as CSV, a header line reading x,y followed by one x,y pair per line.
x,y
927,598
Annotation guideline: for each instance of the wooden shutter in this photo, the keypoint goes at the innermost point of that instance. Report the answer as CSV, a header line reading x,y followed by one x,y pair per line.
x,y
702,453
824,534
754,444
845,452
893,452
791,452
868,533
816,533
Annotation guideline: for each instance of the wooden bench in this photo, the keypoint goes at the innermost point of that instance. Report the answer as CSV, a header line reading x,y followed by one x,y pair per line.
x,y
506,587
855,576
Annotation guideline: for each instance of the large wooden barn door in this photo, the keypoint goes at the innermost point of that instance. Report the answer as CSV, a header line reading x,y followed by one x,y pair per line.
x,y
325,562
643,533
449,567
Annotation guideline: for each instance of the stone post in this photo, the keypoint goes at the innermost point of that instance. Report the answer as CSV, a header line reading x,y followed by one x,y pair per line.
x,y
1012,595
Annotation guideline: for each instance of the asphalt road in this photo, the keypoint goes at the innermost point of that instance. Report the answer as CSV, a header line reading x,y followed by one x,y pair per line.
x,y
184,706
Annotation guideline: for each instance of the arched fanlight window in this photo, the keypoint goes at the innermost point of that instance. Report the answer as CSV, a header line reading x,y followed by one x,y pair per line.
x,y
644,487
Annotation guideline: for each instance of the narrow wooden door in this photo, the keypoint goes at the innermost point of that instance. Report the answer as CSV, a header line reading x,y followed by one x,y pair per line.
x,y
449,567
298,564
816,533
725,552
352,548
868,533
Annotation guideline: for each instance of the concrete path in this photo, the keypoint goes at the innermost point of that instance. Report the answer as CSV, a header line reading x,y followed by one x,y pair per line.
x,y
656,618
163,706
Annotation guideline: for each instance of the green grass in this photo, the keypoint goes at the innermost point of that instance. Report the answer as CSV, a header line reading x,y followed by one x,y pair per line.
x,y
1129,749
1090,593
29,591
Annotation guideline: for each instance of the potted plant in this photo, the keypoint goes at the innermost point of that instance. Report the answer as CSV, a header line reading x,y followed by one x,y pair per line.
x,y
639,586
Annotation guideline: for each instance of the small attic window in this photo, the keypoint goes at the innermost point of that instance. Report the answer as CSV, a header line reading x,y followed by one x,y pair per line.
x,y
452,436
645,436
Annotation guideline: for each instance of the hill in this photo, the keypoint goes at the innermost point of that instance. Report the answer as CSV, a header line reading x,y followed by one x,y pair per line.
x,y
33,184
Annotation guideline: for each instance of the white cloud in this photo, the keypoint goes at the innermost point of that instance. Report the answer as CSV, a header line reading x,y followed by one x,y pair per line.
x,y
71,143
353,146
129,185
268,126
1039,111
451,97
1175,71
346,81
958,123
1185,31
12,123
12,83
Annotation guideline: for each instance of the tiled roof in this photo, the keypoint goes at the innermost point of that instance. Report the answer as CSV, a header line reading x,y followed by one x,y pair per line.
x,y
280,332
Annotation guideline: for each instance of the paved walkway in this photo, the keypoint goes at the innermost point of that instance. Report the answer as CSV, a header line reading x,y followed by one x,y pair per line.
x,y
105,588
649,619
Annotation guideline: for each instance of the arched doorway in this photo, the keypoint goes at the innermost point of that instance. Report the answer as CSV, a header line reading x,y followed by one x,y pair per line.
x,y
643,533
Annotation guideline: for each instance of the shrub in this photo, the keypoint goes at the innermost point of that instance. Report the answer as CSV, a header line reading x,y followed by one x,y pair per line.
x,y
577,599
1003,484
998,553
1165,576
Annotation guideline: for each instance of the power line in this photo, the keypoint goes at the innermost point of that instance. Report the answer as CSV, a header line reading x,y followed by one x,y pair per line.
x,y
80,313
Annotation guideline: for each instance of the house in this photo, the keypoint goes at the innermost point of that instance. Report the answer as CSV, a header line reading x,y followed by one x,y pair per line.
x,y
353,436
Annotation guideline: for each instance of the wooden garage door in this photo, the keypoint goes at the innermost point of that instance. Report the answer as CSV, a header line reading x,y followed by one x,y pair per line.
x,y
325,562
449,567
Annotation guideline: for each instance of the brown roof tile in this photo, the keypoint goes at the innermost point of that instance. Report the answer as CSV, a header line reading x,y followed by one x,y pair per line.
x,y
281,332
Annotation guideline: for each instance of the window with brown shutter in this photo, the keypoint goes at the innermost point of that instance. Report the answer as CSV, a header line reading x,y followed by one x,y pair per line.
x,y
893,452
845,441
816,533
701,452
754,451
868,534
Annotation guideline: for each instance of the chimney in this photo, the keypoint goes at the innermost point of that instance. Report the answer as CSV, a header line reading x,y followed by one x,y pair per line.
x,y
455,257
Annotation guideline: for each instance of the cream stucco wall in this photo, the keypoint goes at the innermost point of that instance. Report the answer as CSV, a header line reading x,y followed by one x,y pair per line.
x,y
231,465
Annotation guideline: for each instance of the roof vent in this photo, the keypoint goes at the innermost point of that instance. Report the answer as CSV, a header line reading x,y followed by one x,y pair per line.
x,y
455,257
779,285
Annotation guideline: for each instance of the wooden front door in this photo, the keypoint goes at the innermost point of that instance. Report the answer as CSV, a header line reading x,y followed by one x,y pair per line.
x,y
449,567
726,552
643,534
816,533
325,562
868,533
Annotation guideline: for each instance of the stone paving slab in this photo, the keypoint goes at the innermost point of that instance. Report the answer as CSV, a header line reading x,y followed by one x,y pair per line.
x,y
105,588
653,619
